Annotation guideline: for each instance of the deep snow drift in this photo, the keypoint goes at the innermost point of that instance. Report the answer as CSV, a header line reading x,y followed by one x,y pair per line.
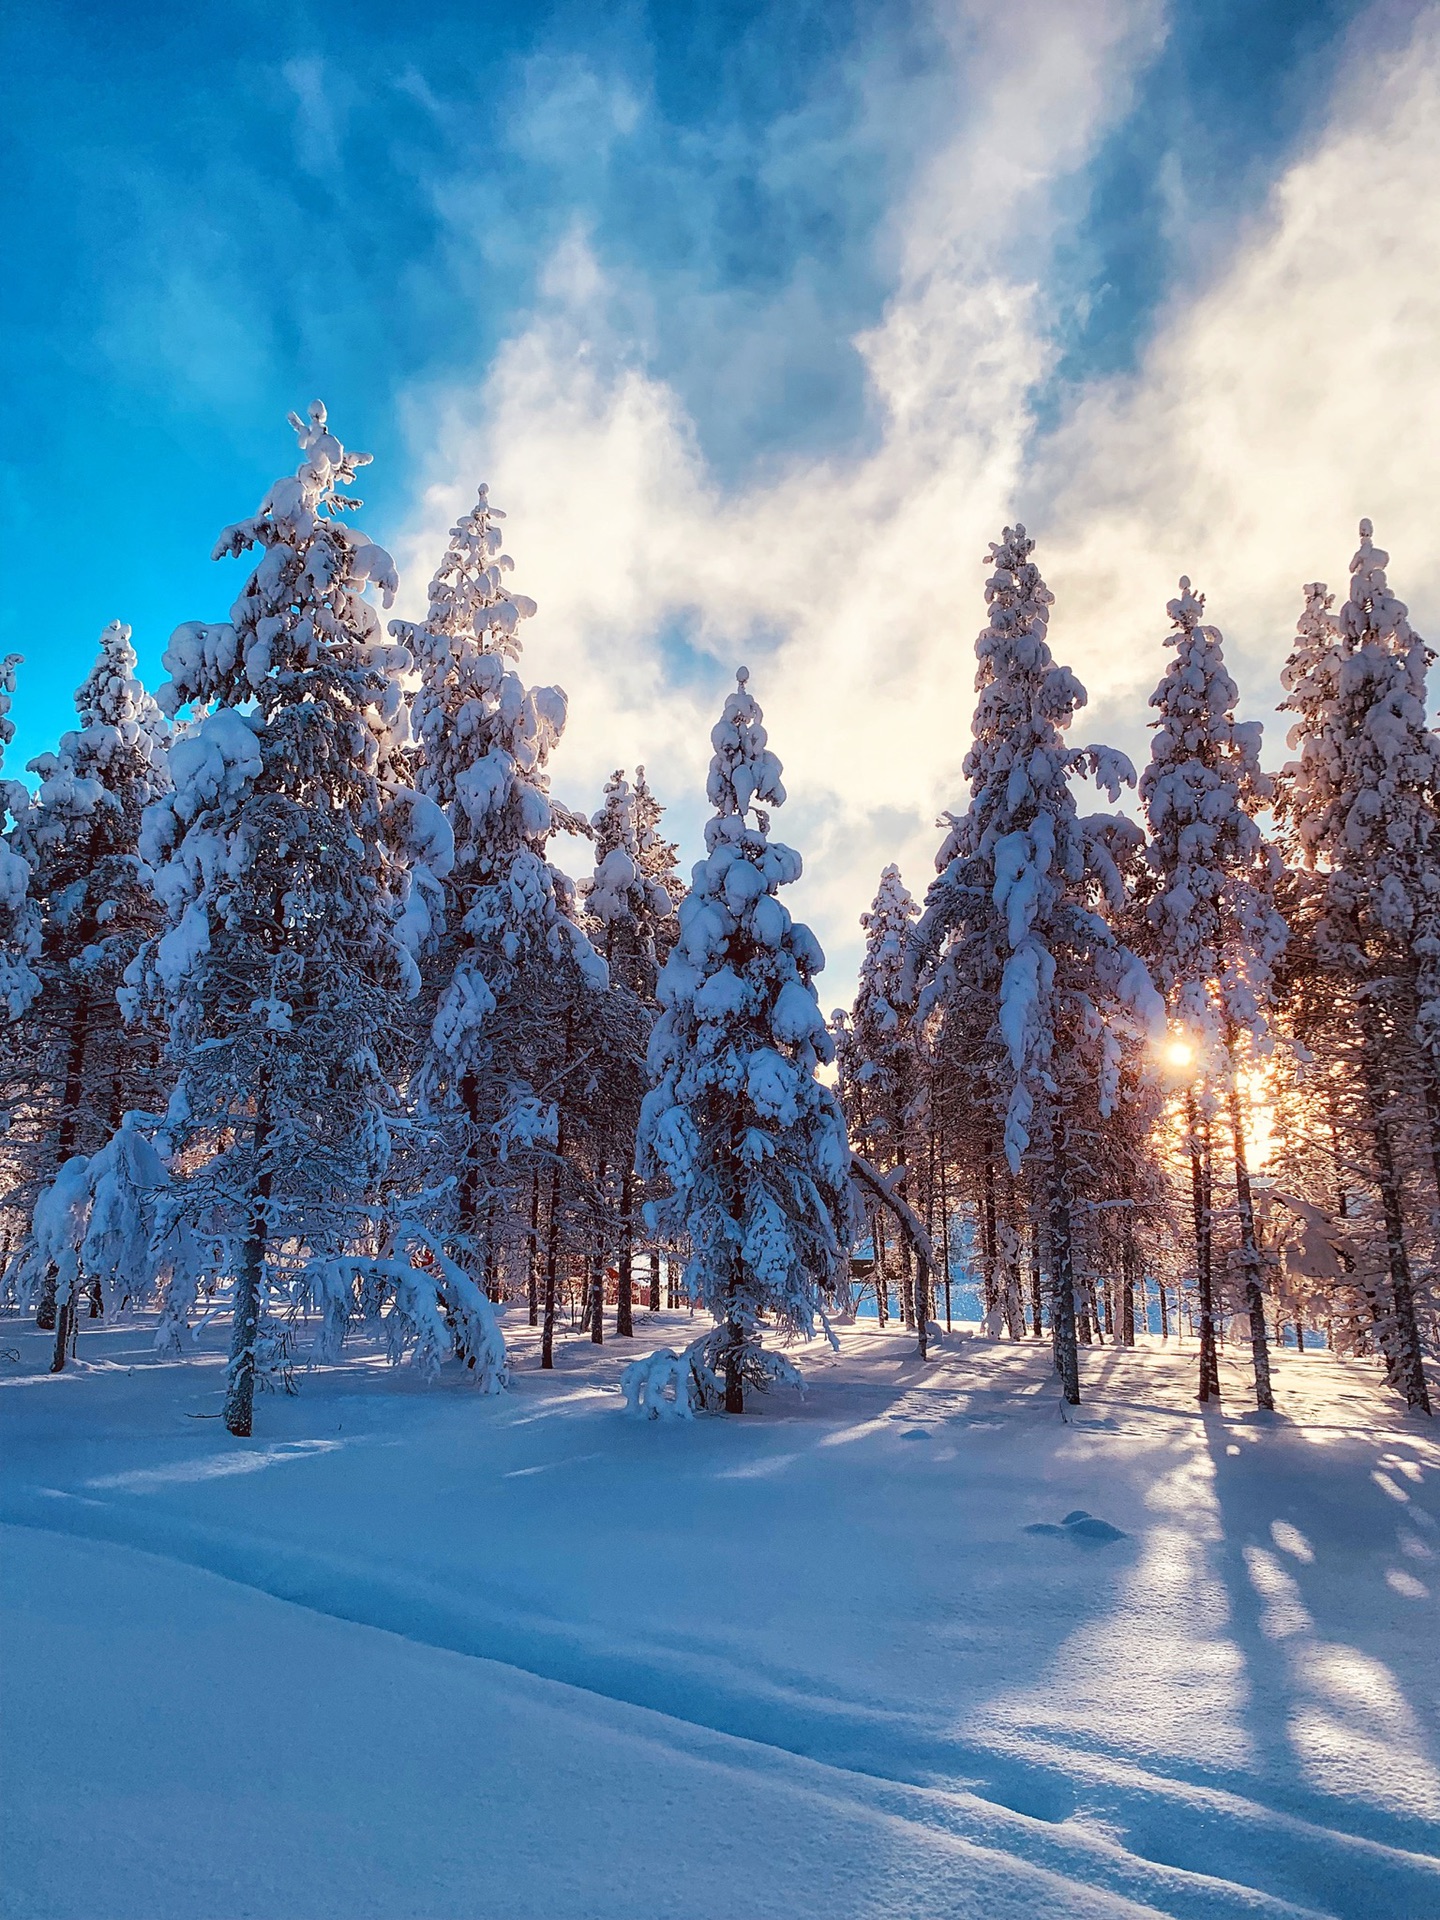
x,y
912,1646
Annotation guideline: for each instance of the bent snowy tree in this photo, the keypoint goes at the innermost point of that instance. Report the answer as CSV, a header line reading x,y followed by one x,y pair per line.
x,y
751,1145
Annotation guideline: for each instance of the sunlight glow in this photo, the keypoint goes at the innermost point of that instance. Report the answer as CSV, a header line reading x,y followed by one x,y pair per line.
x,y
1259,1117
1179,1053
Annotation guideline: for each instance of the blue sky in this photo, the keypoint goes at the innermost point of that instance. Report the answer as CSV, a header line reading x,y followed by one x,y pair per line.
x,y
218,214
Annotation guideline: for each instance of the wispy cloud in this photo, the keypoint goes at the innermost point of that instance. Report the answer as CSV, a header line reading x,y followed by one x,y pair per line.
x,y
1277,402
321,101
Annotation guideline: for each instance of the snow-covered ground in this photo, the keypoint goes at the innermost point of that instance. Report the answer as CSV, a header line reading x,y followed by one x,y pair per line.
x,y
416,1652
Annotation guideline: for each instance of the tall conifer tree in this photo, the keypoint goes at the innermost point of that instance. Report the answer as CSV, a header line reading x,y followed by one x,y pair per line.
x,y
1016,920
80,836
1361,808
1217,934
19,924
282,963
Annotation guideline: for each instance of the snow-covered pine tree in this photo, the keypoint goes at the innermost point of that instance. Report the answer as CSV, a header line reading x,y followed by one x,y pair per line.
x,y
1361,805
281,967
80,838
1216,932
19,924
750,1142
515,979
1015,921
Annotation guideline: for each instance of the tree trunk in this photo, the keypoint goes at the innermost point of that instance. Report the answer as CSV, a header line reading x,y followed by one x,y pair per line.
x,y
249,1288
882,1285
596,1313
945,1233
916,1263
470,1171
552,1225
1409,1366
1431,1077
1250,1255
1363,1344
1010,1264
1062,1281
624,1292
492,1256
64,1320
552,1252
655,1280
987,1238
922,1303
1127,1283
1204,1242
532,1274
1037,1306
46,1314
734,1353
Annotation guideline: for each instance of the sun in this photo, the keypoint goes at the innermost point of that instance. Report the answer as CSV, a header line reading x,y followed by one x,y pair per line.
x,y
1179,1053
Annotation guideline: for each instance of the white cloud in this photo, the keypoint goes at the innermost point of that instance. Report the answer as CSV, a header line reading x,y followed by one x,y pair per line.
x,y
1274,407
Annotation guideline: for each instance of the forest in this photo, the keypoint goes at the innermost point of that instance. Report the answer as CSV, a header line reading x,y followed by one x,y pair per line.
x,y
308,1031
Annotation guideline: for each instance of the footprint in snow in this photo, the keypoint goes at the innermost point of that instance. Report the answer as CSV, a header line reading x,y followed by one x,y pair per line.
x,y
1081,1527
916,1433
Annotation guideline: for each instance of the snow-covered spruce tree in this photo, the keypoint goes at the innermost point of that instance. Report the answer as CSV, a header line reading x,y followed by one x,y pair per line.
x,y
19,983
965,1068
482,740
880,1070
1361,807
1126,1196
631,896
515,979
750,1142
281,967
629,910
881,1039
1217,934
1015,921
19,924
659,863
80,838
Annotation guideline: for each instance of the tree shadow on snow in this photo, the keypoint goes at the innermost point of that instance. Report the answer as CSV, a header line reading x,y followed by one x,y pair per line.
x,y
1331,1580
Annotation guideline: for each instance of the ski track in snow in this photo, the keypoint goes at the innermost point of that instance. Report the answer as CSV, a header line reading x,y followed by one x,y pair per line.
x,y
1181,1719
